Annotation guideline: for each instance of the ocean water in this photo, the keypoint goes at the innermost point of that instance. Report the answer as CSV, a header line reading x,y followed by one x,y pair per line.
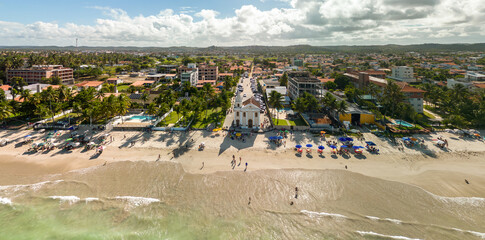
x,y
142,200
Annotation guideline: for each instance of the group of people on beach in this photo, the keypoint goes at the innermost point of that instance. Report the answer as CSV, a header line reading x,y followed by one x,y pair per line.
x,y
233,163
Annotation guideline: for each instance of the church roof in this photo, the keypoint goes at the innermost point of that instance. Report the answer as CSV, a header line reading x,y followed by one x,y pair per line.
x,y
253,101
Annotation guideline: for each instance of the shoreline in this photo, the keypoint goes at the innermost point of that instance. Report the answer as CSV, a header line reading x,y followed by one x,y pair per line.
x,y
441,173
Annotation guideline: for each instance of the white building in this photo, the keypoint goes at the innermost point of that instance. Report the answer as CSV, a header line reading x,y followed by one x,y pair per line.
x,y
403,74
246,113
474,76
192,77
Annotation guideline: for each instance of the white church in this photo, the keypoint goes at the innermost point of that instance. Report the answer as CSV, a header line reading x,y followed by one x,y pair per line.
x,y
246,114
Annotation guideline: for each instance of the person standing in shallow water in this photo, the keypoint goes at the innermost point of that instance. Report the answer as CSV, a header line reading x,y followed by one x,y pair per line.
x,y
296,192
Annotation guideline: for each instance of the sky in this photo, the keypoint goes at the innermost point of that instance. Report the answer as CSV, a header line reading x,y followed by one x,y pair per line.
x,y
202,23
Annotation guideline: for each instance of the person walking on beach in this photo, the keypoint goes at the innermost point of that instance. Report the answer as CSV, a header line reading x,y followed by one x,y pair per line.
x,y
159,156
240,159
296,192
246,167
249,201
202,166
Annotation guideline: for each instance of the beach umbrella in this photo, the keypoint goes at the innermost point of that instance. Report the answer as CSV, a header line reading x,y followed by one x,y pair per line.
x,y
69,139
342,139
414,139
440,142
286,131
28,136
279,137
349,139
344,146
298,146
271,138
309,145
357,147
406,139
321,147
323,132
333,146
238,134
370,143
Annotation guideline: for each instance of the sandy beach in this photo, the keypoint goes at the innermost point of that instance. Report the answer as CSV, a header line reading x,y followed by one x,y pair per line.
x,y
439,171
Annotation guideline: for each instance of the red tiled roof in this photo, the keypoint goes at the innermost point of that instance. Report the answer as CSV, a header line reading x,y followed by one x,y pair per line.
x,y
252,101
5,87
141,83
89,84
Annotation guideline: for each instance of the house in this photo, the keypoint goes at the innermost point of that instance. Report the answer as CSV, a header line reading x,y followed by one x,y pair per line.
x,y
87,84
5,87
300,82
114,81
155,77
246,113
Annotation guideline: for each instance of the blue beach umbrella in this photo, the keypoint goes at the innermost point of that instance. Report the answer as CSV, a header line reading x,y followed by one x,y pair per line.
x,y
344,146
333,146
321,147
357,147
406,139
342,139
348,139
298,146
279,137
370,143
309,145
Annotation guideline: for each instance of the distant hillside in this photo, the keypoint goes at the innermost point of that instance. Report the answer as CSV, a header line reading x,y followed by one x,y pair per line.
x,y
476,47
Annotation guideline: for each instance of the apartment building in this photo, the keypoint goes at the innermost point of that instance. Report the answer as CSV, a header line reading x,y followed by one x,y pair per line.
x,y
403,74
300,82
190,76
208,72
36,73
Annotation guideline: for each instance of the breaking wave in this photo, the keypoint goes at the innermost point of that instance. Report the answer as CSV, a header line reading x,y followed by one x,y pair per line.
x,y
363,233
324,214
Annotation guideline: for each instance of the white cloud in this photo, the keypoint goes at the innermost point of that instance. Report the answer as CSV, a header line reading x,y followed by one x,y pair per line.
x,y
316,22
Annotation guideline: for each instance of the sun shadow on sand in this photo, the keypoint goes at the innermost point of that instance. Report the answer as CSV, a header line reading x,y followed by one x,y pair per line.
x,y
238,144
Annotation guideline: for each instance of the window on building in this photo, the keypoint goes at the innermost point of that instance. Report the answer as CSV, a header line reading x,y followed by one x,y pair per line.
x,y
256,114
237,114
244,114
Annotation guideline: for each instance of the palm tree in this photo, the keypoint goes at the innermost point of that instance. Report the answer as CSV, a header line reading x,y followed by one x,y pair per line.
x,y
5,111
123,104
144,98
340,108
275,101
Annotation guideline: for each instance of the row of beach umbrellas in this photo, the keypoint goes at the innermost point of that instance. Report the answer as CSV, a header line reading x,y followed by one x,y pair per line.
x,y
331,146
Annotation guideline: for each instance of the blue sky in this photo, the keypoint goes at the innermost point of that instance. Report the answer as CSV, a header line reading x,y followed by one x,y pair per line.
x,y
85,12
234,23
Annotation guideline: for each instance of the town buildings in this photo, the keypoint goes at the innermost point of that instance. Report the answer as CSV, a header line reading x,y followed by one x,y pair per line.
x,y
413,96
207,72
37,73
300,82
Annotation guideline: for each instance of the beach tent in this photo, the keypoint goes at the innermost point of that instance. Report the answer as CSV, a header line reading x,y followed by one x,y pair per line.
x,y
370,143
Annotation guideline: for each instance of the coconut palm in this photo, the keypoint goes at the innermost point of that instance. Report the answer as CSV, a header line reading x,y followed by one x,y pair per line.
x,y
5,111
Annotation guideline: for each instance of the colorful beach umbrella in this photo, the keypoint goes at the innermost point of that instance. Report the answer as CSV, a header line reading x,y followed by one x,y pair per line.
x,y
321,147
309,145
298,146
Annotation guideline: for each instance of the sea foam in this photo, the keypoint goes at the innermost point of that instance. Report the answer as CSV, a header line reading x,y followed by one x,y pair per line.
x,y
311,213
33,187
137,201
5,201
363,233
478,234
68,199
384,219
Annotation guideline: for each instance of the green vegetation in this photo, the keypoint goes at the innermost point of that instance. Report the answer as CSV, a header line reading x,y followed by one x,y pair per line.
x,y
215,116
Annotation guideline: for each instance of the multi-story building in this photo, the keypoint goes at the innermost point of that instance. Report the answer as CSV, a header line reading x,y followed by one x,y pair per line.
x,y
403,74
300,82
167,69
36,73
208,72
191,76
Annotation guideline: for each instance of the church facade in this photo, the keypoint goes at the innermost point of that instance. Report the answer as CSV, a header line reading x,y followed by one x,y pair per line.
x,y
246,113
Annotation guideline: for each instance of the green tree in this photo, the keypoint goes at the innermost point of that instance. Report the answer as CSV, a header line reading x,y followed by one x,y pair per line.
x,y
284,80
342,81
